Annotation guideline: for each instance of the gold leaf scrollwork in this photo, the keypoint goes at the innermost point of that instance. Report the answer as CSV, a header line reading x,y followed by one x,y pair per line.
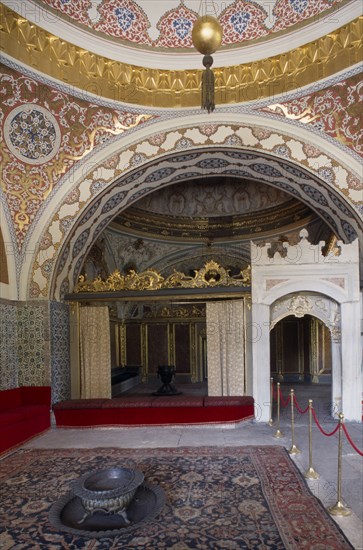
x,y
211,275
148,280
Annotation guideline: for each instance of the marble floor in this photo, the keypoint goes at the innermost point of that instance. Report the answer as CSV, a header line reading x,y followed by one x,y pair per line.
x,y
325,449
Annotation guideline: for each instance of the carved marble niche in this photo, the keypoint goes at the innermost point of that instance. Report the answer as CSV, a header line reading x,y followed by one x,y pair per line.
x,y
321,358
308,303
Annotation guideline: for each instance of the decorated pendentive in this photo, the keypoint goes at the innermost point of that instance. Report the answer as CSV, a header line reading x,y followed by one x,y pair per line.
x,y
32,134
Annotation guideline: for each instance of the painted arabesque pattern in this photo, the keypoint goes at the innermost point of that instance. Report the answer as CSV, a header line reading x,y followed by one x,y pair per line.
x,y
33,113
336,111
242,20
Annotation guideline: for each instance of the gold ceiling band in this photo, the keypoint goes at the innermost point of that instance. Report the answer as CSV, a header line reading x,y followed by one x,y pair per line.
x,y
77,67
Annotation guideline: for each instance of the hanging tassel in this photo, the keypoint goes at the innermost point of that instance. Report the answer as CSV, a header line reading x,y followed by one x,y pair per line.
x,y
208,84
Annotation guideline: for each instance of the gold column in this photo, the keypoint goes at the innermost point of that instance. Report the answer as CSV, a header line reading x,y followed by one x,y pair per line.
x,y
245,367
117,344
279,352
314,351
75,350
123,344
322,347
202,355
293,449
193,352
339,509
301,350
144,353
171,344
271,400
278,432
311,473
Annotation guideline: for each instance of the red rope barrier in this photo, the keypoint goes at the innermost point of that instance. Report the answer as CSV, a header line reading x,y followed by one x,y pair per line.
x,y
284,403
298,408
351,442
321,429
303,411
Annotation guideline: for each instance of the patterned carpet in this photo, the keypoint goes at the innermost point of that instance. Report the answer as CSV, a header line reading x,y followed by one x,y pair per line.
x,y
216,498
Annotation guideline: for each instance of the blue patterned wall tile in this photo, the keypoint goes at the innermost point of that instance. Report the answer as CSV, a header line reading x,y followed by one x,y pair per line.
x,y
33,344
60,351
8,345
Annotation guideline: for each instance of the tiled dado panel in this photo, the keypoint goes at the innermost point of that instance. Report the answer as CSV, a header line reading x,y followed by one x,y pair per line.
x,y
8,345
60,351
34,346
33,343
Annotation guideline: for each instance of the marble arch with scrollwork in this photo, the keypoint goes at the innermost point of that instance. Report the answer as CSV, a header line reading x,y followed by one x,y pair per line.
x,y
308,303
117,176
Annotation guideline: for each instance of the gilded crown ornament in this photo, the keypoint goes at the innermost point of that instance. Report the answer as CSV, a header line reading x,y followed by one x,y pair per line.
x,y
207,37
211,275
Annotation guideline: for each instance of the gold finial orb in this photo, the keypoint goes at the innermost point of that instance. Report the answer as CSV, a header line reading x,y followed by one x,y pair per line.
x,y
207,34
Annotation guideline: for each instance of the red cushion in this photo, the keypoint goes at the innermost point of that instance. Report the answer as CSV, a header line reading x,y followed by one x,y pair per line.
x,y
80,404
10,398
178,401
227,401
34,410
35,395
124,402
10,416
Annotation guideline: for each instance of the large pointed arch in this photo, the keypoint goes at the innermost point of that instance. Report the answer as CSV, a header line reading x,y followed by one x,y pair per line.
x,y
159,155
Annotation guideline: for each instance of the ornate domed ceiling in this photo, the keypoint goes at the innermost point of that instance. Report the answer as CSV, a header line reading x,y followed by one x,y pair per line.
x,y
212,209
184,225
145,32
157,24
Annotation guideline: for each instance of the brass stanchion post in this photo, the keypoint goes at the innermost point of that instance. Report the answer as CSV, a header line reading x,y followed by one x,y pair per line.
x,y
278,433
310,472
271,400
339,509
293,449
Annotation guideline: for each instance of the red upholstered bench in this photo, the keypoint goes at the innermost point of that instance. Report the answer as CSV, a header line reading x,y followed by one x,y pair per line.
x,y
80,412
227,408
130,402
152,410
24,413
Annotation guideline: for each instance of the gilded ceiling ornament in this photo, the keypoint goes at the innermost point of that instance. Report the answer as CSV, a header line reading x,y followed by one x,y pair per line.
x,y
207,37
148,280
211,275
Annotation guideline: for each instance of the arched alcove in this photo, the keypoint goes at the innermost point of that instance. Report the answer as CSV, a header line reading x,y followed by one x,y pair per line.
x,y
201,163
300,350
326,287
116,176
